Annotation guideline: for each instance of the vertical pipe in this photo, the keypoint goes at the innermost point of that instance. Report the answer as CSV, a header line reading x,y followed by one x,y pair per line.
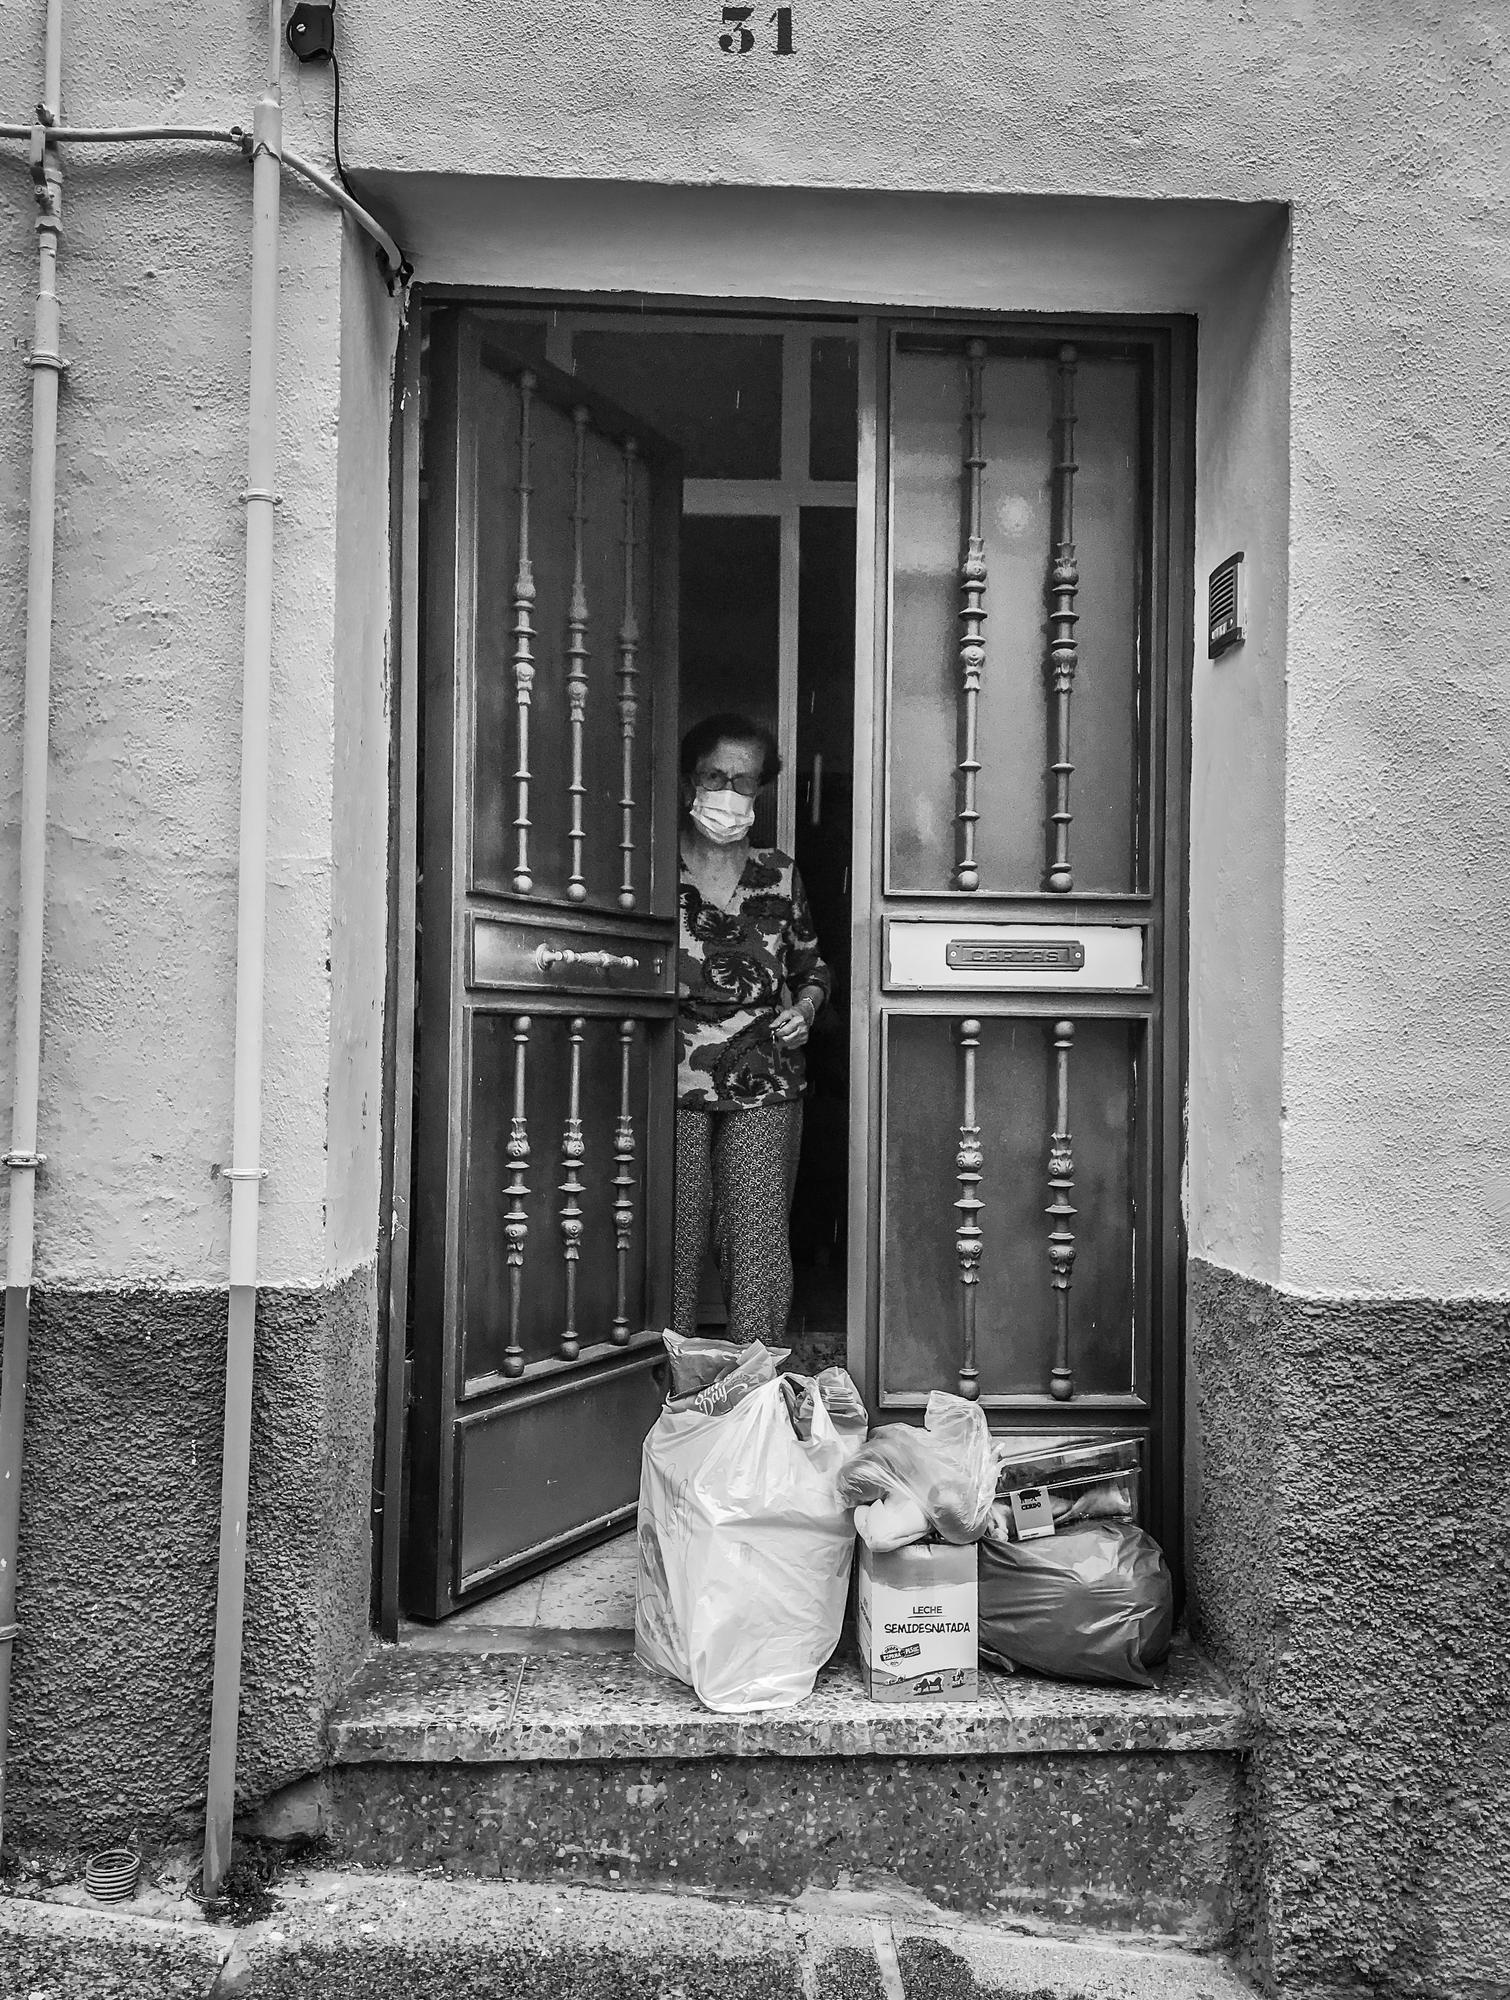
x,y
22,1160
245,1173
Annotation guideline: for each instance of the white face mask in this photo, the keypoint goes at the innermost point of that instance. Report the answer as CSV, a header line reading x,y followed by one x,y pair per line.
x,y
723,817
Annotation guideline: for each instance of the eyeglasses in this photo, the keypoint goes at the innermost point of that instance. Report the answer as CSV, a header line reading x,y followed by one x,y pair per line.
x,y
727,781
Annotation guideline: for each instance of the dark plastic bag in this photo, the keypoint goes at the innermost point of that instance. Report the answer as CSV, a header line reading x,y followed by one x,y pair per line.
x,y
1093,1604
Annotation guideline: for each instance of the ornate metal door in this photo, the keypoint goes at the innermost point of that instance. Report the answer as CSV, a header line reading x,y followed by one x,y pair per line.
x,y
547,965
1015,1219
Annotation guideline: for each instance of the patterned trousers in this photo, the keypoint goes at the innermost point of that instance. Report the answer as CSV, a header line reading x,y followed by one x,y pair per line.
x,y
735,1171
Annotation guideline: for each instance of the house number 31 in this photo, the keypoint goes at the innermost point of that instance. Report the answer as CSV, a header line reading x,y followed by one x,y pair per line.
x,y
739,38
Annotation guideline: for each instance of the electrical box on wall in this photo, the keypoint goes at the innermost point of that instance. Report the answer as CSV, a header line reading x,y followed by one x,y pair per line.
x,y
312,33
1227,607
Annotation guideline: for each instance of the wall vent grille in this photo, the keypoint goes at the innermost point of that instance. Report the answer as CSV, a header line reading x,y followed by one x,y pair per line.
x,y
1227,614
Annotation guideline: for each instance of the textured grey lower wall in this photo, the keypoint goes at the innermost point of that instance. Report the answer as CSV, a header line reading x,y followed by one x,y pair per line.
x,y
1349,1563
119,1534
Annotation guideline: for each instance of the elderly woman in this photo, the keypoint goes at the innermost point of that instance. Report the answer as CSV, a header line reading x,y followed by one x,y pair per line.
x,y
751,982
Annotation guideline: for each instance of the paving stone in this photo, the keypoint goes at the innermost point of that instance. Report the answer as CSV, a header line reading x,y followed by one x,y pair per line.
x,y
61,1952
392,1936
973,1963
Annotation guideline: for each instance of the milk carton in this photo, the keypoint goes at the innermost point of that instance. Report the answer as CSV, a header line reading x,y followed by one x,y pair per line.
x,y
917,1619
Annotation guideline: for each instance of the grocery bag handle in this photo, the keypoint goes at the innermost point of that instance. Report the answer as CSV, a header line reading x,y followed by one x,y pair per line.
x,y
824,1430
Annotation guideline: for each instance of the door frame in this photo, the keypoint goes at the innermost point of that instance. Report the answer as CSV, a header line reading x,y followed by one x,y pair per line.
x,y
1169,1030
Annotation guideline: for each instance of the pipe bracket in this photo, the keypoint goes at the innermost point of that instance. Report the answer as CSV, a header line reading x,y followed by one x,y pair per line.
x,y
9,1632
242,1173
32,1160
262,493
59,364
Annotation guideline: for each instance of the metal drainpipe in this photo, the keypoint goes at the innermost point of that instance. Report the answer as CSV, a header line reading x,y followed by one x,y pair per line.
x,y
245,1173
23,1159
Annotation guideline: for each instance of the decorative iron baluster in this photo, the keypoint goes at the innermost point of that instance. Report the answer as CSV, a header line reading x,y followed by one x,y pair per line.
x,y
516,1225
629,706
1063,617
573,1152
967,1239
576,659
1062,1235
623,1183
972,649
524,643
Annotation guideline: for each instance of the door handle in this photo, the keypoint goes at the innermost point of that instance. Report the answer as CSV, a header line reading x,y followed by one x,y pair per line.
x,y
549,959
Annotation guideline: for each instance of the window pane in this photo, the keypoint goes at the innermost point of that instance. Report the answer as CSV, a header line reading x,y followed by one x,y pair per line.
x,y
731,627
834,422
527,337
1016,1314
716,395
826,723
1107,728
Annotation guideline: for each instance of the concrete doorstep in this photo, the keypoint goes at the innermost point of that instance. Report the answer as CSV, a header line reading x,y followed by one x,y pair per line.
x,y
349,1936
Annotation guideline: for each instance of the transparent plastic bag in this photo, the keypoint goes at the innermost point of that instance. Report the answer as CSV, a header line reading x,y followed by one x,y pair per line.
x,y
890,1523
1093,1604
844,1402
947,1467
698,1364
1083,1479
839,1396
744,1547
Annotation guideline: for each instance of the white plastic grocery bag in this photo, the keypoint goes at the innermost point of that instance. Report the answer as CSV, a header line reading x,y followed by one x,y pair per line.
x,y
744,1549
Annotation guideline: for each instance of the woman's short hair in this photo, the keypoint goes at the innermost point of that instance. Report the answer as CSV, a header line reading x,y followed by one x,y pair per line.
x,y
706,735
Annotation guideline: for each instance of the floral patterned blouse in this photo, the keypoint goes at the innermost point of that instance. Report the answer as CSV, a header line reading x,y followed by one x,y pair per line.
x,y
736,968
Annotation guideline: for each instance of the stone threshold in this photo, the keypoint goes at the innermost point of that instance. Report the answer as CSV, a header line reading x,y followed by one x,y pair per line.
x,y
413,1705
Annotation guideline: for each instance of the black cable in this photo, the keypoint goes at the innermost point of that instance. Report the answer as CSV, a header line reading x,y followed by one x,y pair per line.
x,y
336,134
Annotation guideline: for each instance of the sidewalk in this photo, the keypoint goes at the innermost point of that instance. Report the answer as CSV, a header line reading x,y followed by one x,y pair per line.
x,y
345,1936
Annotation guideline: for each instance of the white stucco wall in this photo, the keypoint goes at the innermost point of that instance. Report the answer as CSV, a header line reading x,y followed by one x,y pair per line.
x,y
1235,1184
144,781
359,797
1397,807
1387,1097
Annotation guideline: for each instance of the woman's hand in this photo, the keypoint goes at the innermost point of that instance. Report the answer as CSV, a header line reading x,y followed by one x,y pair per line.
x,y
790,1028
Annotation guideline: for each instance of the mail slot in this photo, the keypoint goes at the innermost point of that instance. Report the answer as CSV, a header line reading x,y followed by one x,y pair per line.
x,y
990,954
924,953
